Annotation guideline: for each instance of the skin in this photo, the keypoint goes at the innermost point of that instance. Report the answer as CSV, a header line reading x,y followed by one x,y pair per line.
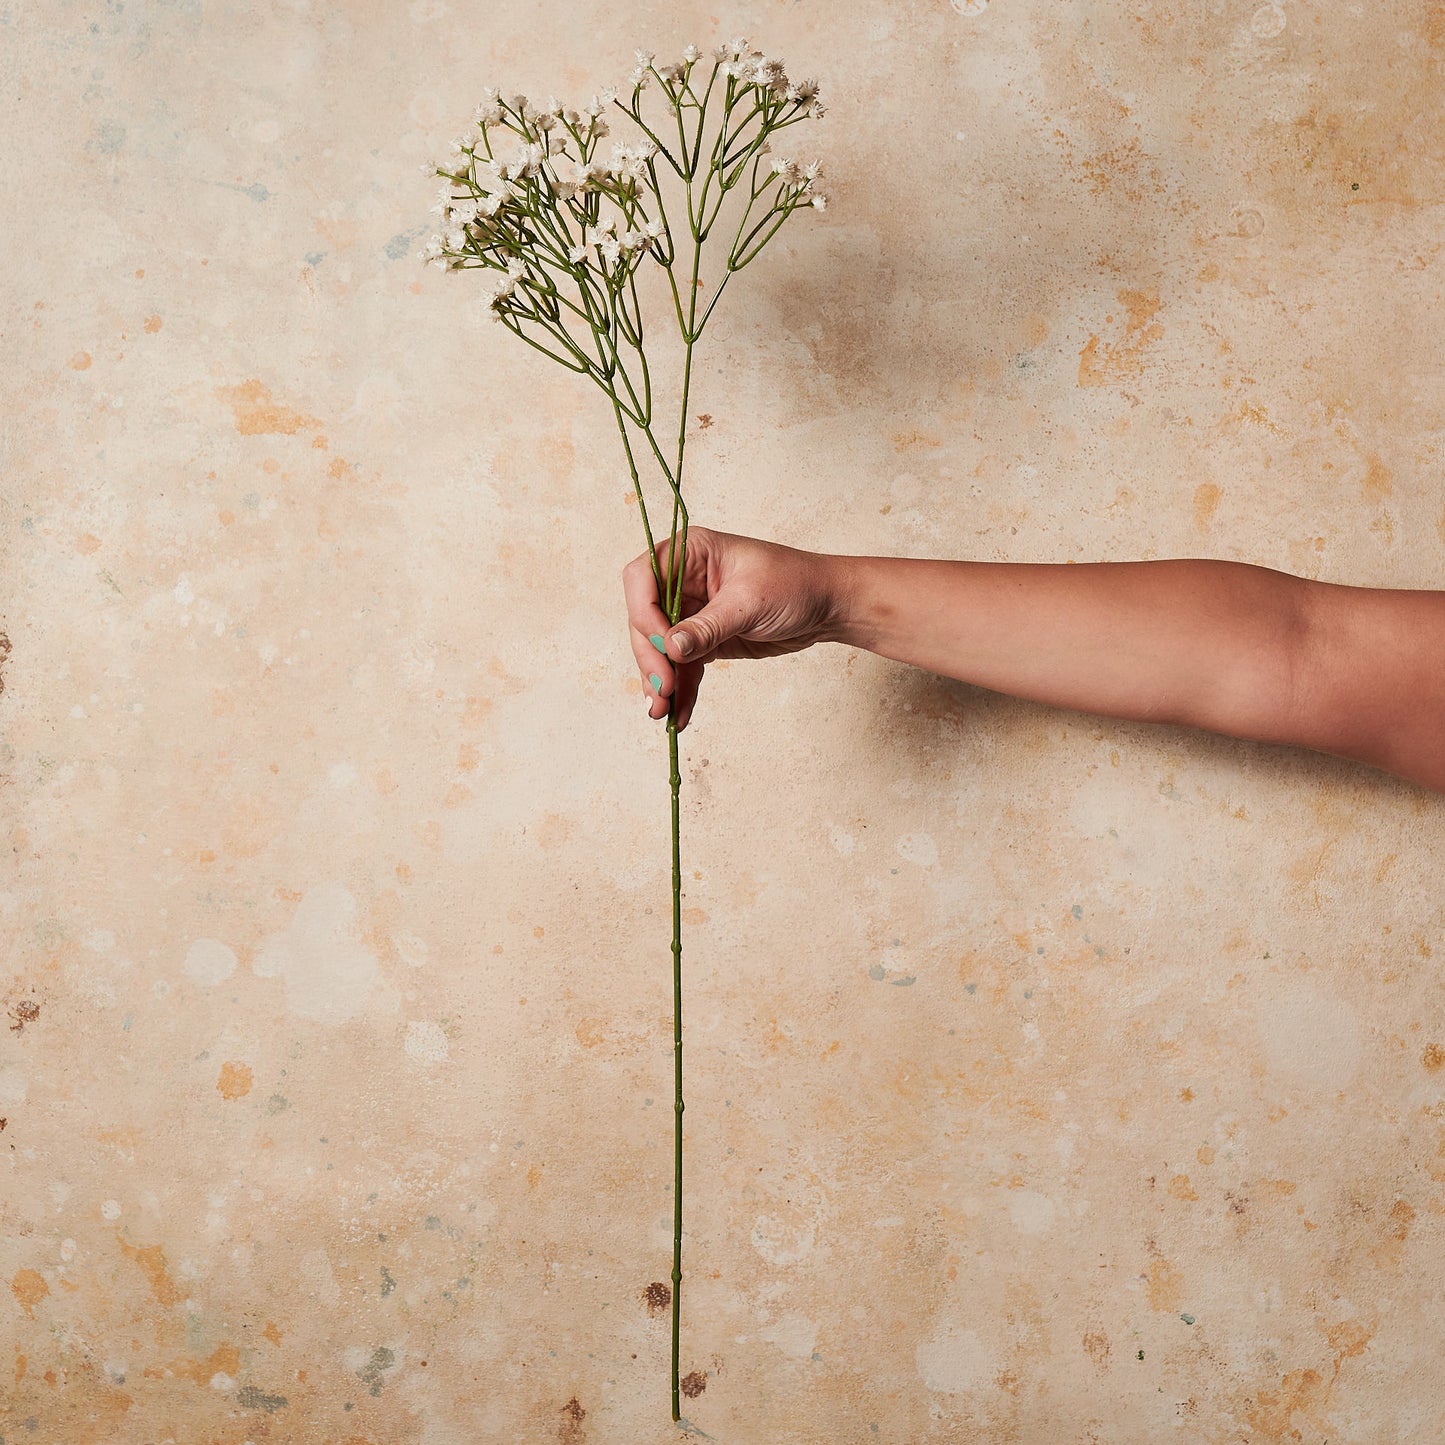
x,y
1246,651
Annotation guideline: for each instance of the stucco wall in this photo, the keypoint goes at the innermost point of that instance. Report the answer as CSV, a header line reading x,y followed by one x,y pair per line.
x,y
1050,1079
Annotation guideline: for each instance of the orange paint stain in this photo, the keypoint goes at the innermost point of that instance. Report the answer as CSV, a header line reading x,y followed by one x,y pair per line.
x,y
1377,481
1101,363
87,543
1181,1188
257,414
1165,1285
235,1079
152,1262
272,1333
153,324
29,1288
1206,499
80,361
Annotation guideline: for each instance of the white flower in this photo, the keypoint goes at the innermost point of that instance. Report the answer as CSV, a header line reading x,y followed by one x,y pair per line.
x,y
597,128
571,178
804,90
579,255
819,201
463,211
639,78
812,170
788,171
518,103
654,229
770,75
455,239
488,113
431,253
690,54
611,249
525,164
675,71
630,162
545,117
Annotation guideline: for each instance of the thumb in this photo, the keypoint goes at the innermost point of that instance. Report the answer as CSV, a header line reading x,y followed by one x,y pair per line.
x,y
707,629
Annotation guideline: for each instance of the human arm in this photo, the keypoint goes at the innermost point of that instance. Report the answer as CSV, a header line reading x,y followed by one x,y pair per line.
x,y
1230,647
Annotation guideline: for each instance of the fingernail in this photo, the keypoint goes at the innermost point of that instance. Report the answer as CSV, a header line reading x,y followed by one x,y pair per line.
x,y
658,643
684,643
656,681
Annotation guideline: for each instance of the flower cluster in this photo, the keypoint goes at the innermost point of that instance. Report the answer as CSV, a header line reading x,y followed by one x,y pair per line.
x,y
532,196
552,203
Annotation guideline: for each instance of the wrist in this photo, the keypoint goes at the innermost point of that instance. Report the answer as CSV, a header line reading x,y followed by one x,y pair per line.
x,y
844,586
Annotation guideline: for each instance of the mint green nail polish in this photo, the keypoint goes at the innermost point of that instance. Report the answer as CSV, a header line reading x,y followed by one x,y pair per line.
x,y
656,681
658,643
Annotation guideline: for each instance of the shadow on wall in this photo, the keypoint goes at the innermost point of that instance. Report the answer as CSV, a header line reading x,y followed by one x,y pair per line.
x,y
934,714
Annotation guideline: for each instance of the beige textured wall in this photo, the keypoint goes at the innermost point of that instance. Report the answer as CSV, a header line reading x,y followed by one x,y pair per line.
x,y
1051,1079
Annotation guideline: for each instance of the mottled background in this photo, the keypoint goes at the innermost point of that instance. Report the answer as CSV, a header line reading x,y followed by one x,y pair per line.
x,y
1051,1079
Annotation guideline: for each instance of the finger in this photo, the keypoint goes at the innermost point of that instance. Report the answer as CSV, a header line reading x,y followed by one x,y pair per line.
x,y
696,639
689,679
647,627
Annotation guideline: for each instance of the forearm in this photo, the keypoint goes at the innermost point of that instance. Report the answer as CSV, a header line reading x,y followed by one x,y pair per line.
x,y
1209,644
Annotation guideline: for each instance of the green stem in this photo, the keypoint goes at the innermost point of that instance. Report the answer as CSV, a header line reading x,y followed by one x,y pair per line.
x,y
675,779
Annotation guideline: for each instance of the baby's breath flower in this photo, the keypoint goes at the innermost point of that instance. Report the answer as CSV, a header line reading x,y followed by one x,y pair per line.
x,y
673,71
819,201
488,113
690,54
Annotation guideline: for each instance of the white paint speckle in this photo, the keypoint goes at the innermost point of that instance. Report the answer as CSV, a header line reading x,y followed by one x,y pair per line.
x,y
953,1361
1309,1038
843,842
222,1381
1268,21
13,1086
410,949
794,1334
183,592
781,1244
110,1209
1031,1213
209,962
341,775
328,972
426,1042
98,940
918,848
317,1280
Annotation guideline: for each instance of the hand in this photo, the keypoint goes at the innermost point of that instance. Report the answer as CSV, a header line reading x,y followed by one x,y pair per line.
x,y
740,598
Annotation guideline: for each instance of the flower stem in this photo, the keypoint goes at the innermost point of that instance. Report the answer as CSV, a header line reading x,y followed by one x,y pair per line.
x,y
675,778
